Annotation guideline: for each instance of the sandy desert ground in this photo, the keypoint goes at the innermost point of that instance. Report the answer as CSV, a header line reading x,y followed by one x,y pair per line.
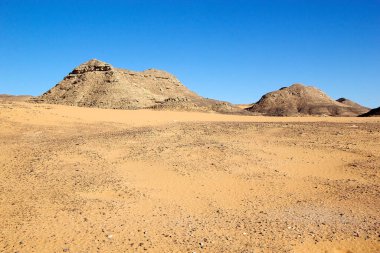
x,y
97,180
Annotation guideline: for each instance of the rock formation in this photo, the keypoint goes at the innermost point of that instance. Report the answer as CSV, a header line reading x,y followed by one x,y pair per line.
x,y
301,100
359,109
98,84
372,113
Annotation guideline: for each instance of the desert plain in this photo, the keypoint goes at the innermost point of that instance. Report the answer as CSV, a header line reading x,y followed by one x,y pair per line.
x,y
101,180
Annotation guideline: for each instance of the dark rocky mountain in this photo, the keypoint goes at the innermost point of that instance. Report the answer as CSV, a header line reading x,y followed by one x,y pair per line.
x,y
372,113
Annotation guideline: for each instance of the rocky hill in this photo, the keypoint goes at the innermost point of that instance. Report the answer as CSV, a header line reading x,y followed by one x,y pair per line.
x,y
372,113
299,99
357,108
98,84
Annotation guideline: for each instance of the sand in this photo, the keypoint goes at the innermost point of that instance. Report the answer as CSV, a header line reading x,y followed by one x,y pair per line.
x,y
97,180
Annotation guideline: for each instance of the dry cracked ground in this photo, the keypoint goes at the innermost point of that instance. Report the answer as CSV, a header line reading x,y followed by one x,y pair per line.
x,y
95,180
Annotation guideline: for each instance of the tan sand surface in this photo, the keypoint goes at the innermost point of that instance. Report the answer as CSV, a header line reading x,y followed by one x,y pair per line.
x,y
96,180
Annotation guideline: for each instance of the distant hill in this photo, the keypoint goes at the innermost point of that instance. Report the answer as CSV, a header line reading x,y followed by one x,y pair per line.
x,y
99,84
299,99
10,98
359,109
372,113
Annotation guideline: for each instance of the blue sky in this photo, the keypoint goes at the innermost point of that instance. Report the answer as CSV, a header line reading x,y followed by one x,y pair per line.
x,y
230,50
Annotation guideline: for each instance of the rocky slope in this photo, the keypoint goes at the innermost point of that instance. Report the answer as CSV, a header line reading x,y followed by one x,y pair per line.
x,y
98,84
299,99
357,108
372,113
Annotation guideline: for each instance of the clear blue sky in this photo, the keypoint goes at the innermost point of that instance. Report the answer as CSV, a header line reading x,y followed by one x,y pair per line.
x,y
230,50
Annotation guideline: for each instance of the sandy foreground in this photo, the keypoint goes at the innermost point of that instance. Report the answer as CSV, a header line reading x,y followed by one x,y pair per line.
x,y
95,180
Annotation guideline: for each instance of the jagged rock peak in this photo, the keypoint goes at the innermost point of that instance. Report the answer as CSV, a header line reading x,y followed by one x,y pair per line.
x,y
92,65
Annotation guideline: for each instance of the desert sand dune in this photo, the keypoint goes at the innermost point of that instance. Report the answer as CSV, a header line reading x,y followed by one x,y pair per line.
x,y
101,180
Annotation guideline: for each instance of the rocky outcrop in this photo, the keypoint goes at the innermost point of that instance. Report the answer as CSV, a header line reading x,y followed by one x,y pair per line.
x,y
358,109
299,99
99,84
372,113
